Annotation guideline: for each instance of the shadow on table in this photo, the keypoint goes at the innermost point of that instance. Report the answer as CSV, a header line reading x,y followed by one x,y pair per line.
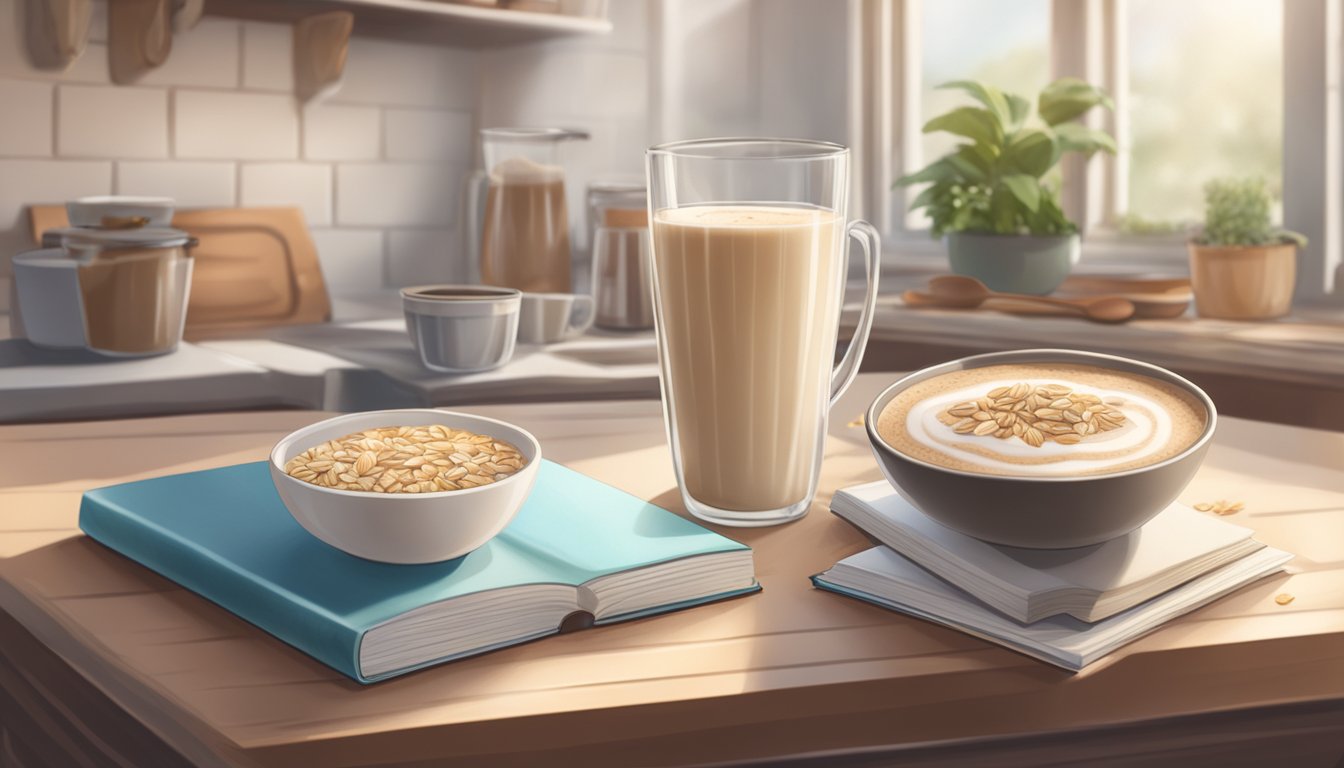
x,y
15,353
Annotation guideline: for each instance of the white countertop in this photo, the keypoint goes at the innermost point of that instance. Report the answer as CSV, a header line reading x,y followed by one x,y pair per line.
x,y
361,365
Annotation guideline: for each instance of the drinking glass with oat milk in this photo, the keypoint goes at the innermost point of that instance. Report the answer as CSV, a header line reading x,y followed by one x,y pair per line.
x,y
749,258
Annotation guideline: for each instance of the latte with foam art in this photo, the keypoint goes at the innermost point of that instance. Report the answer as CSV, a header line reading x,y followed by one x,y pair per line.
x,y
1047,420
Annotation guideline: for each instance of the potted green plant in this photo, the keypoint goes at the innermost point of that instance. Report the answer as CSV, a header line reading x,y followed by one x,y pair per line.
x,y
1242,267
991,196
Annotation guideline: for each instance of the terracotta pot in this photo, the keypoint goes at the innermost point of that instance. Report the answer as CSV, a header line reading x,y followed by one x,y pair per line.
x,y
1243,282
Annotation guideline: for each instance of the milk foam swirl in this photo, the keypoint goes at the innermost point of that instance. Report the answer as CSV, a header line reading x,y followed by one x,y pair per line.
x,y
1146,431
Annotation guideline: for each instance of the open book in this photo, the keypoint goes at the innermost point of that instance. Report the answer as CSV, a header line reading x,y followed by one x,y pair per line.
x,y
578,553
1089,583
881,576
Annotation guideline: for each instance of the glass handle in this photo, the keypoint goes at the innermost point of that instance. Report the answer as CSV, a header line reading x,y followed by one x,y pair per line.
x,y
848,367
477,187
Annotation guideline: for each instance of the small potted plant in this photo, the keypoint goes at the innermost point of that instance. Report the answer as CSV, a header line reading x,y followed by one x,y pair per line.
x,y
1242,267
990,195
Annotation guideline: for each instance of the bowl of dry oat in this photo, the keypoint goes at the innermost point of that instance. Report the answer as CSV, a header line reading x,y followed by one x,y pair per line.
x,y
406,486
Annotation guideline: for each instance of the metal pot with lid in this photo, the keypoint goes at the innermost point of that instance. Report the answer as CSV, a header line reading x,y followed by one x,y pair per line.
x,y
118,289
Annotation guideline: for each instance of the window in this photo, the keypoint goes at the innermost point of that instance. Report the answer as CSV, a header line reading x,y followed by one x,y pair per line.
x,y
1004,44
1200,93
1205,100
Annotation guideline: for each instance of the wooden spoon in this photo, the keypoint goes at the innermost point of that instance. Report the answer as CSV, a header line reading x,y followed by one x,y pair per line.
x,y
962,292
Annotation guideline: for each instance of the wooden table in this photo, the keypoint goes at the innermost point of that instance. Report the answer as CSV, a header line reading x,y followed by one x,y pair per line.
x,y
103,662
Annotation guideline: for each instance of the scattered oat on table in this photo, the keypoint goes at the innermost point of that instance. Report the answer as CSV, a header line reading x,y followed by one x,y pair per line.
x,y
859,422
1034,415
1221,507
423,459
1284,599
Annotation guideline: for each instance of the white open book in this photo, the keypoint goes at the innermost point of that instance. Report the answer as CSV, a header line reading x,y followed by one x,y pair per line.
x,y
1090,583
883,577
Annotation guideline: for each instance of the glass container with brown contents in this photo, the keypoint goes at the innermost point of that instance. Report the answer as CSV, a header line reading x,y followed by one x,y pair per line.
x,y
133,285
618,221
525,241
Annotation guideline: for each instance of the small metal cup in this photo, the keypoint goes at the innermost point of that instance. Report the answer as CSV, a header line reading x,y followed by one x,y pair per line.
x,y
462,328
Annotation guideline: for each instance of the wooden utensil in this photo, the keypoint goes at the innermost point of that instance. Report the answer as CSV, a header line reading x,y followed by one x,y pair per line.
x,y
1162,297
321,43
255,268
56,32
961,292
139,37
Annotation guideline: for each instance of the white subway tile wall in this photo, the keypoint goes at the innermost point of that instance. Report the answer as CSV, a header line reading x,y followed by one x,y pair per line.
x,y
268,63
352,259
427,134
306,185
396,194
389,72
111,123
192,184
23,182
340,132
422,256
25,130
205,56
228,124
378,168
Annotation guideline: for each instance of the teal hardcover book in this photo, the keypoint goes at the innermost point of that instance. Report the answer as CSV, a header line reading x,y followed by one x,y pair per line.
x,y
578,548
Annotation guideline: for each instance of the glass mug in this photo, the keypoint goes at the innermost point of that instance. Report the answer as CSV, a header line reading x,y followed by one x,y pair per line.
x,y
748,279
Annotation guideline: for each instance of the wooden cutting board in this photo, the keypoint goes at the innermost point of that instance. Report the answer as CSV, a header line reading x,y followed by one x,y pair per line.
x,y
255,268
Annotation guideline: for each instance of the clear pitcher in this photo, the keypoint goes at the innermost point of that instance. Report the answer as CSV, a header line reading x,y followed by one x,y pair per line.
x,y
525,233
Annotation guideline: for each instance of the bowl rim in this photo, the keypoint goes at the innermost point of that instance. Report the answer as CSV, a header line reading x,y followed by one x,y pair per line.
x,y
477,293
278,467
1050,355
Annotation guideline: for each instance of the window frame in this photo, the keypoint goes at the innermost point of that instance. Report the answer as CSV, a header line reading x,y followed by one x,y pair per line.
x,y
1088,39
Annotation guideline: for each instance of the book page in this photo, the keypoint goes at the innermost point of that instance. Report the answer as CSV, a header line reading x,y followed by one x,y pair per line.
x,y
1175,537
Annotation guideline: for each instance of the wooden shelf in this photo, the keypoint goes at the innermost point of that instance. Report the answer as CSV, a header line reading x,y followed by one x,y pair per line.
x,y
432,21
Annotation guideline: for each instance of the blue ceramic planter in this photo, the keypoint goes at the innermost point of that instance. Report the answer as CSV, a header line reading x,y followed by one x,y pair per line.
x,y
1014,263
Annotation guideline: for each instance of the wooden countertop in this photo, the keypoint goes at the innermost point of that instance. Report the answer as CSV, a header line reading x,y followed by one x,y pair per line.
x,y
787,672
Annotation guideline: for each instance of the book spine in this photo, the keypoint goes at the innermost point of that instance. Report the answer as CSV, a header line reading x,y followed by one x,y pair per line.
x,y
297,622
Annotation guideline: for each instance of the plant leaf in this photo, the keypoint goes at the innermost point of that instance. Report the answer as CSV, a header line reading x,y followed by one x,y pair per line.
x,y
968,164
996,101
925,198
1049,219
1069,97
936,171
983,155
1018,111
1025,188
978,125
1003,212
1076,137
1289,236
1033,151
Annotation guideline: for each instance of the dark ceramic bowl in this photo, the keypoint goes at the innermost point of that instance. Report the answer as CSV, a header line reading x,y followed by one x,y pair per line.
x,y
1041,512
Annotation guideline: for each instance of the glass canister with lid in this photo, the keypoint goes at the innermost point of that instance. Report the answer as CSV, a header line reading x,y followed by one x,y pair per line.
x,y
618,221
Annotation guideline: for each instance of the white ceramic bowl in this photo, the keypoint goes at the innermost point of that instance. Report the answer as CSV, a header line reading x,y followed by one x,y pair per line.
x,y
405,527
89,211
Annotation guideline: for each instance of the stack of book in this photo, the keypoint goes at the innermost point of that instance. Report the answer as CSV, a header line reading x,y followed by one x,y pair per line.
x,y
1066,607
